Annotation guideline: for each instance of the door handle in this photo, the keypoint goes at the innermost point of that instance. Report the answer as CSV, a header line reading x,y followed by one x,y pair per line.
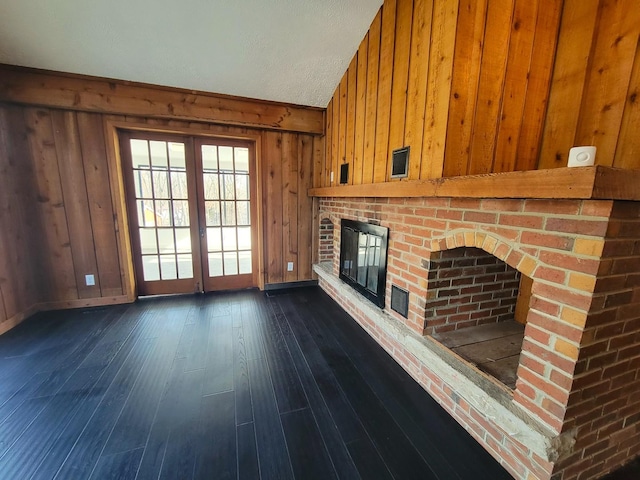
x,y
202,232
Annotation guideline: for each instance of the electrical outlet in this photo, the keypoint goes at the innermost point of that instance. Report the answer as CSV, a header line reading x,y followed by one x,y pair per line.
x,y
90,280
290,267
331,177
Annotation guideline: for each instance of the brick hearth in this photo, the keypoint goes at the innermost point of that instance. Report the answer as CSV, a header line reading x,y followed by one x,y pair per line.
x,y
575,411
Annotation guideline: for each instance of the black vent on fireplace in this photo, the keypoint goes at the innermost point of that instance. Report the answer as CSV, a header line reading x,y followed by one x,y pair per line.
x,y
363,258
400,301
344,173
400,163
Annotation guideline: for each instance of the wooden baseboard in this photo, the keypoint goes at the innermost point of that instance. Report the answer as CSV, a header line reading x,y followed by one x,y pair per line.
x,y
18,318
280,286
85,302
48,306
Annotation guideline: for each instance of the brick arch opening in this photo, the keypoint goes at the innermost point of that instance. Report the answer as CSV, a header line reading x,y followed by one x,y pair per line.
x,y
477,303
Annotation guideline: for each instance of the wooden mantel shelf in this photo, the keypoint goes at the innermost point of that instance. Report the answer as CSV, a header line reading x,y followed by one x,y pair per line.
x,y
597,183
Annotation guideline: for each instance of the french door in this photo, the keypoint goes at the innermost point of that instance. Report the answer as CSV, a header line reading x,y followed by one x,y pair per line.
x,y
191,203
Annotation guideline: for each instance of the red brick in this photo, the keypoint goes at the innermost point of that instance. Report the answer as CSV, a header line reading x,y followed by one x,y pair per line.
x,y
479,217
465,203
449,214
503,205
537,334
544,306
555,325
567,207
532,364
626,265
557,242
596,208
582,227
524,221
546,355
551,274
542,384
562,296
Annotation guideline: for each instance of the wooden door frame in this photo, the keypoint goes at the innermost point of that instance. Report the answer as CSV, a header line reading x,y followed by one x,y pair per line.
x,y
112,127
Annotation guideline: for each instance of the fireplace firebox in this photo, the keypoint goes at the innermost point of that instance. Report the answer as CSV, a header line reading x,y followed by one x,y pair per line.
x,y
363,258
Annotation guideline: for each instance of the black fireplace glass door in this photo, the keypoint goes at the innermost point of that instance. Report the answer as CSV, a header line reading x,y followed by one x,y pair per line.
x,y
363,255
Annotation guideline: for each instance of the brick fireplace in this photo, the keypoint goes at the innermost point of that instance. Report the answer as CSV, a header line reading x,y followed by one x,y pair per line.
x,y
575,408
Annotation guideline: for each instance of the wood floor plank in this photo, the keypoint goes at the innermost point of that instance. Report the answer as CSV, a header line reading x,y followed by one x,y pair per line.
x,y
247,452
216,450
219,361
89,444
367,459
253,331
309,457
242,390
286,382
180,454
273,456
334,414
504,369
491,350
197,354
118,466
29,450
134,423
69,436
481,333
167,417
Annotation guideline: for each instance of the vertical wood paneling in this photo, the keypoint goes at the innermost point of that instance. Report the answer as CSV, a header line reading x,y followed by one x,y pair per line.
x,y
628,150
325,173
402,52
493,66
361,104
373,62
385,83
335,138
342,126
272,185
539,77
418,80
305,205
443,34
74,191
3,311
567,85
92,141
58,269
352,88
608,78
522,34
290,204
20,258
464,88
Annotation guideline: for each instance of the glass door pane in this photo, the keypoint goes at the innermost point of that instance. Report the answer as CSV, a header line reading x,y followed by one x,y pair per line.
x,y
159,173
163,224
226,212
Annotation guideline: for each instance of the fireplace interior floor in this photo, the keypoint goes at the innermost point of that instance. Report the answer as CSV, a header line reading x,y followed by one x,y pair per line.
x,y
493,348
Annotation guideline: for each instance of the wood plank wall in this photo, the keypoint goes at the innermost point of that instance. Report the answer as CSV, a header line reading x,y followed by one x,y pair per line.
x,y
57,216
479,86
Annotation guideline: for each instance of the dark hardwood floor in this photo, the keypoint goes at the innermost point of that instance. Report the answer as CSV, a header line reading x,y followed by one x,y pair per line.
x,y
236,385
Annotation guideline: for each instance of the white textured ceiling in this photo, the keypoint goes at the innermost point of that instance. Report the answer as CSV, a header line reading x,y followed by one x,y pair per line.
x,y
285,50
